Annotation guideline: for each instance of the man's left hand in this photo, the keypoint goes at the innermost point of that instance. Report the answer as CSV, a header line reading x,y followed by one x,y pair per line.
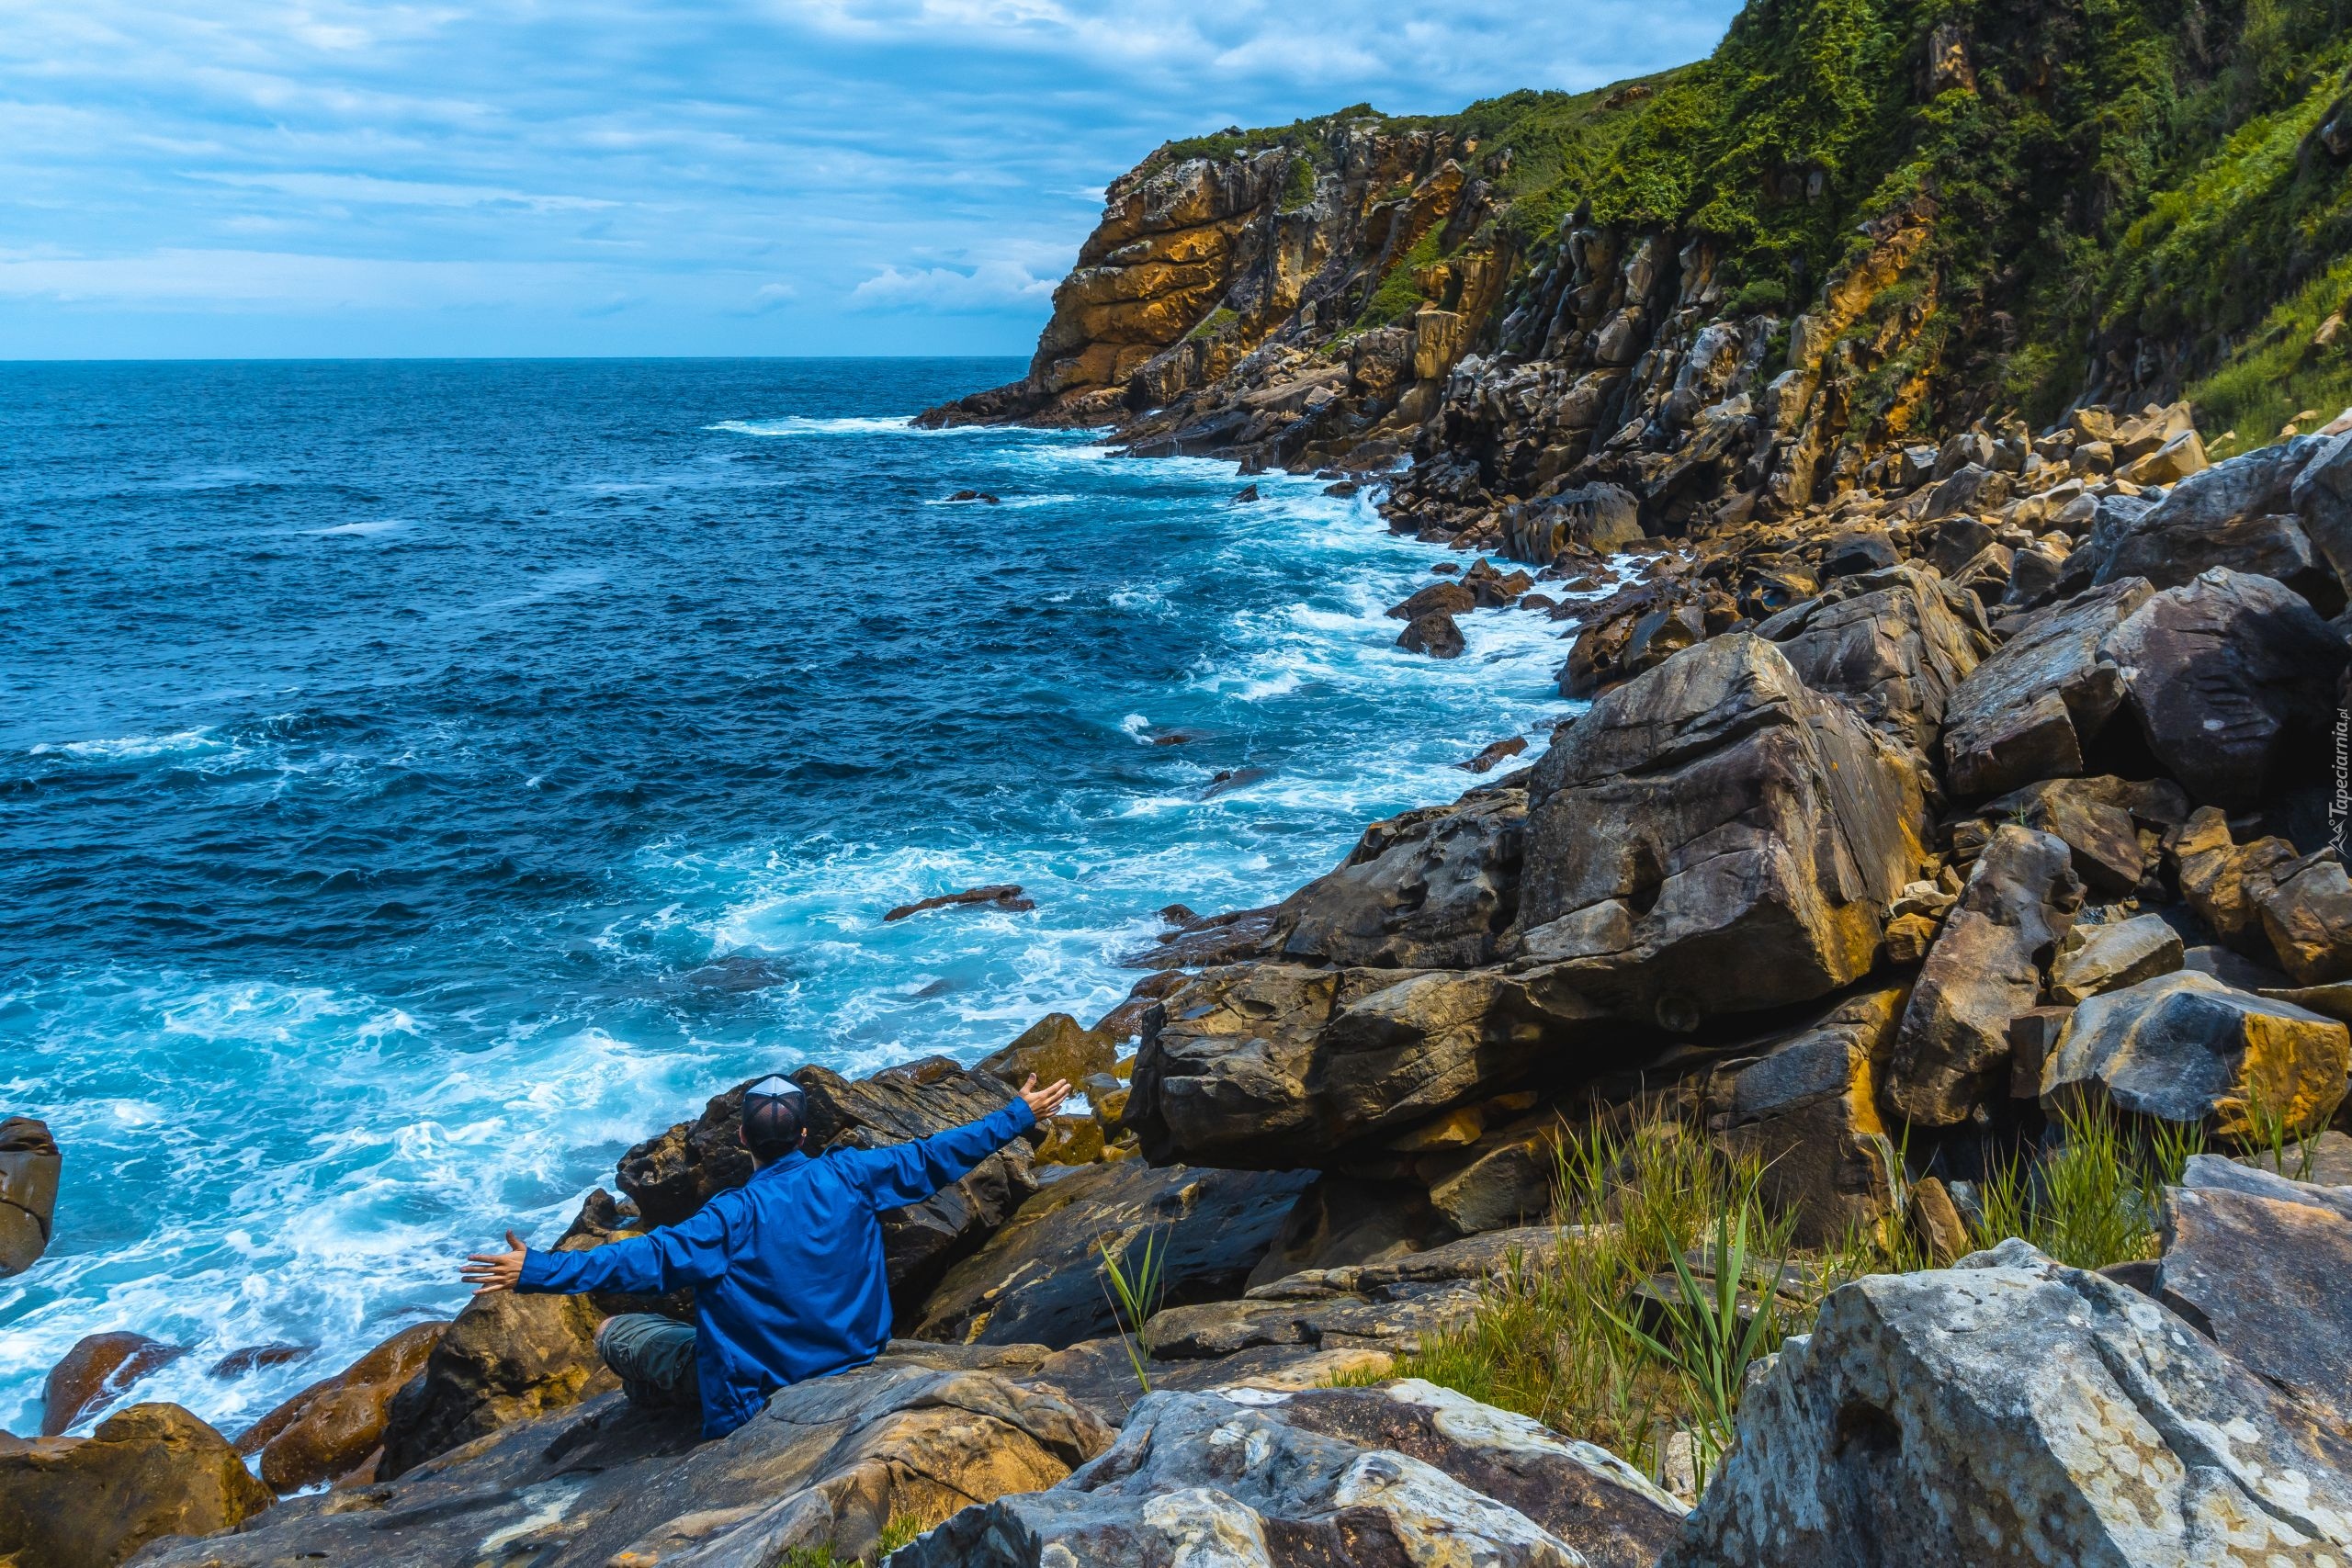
x,y
489,1272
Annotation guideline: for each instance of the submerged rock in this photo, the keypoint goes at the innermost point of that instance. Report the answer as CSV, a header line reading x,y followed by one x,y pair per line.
x,y
29,1167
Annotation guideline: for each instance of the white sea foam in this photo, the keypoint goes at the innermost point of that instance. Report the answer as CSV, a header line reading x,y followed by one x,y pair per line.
x,y
360,530
801,425
135,747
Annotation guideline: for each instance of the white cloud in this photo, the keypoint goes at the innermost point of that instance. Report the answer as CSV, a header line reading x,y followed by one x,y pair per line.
x,y
992,286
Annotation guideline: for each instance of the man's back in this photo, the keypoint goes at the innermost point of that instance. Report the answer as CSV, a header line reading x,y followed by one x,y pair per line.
x,y
787,1269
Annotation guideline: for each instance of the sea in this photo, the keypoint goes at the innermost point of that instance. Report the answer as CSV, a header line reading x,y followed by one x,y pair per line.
x,y
420,781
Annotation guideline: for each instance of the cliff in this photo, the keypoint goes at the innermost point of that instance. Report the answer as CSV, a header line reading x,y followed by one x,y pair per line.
x,y
1873,219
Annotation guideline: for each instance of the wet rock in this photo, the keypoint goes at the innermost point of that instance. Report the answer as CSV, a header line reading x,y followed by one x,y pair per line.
x,y
1430,888
973,496
825,1468
29,1165
328,1429
1039,1281
1804,1103
1952,1048
2016,1413
1002,896
1278,1066
2029,709
1210,939
1601,517
2187,1048
249,1358
2107,958
2257,1262
1499,751
1055,1049
95,1372
149,1471
1447,598
1677,861
1407,1473
1492,589
1071,1140
1434,634
1894,648
671,1176
2232,679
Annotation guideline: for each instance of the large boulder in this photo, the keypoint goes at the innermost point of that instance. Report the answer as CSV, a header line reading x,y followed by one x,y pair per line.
x,y
1804,1105
2306,910
506,1358
2028,711
2233,680
1340,1220
1040,1280
2321,497
1429,889
94,1372
332,1427
1055,1048
2238,513
2102,958
2222,879
29,1167
1275,1066
149,1471
1951,1049
2187,1048
2257,1262
1407,1475
823,1470
2017,1413
1892,644
1714,836
1603,517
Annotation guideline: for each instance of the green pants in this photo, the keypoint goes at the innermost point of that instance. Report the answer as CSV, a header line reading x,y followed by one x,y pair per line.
x,y
654,1357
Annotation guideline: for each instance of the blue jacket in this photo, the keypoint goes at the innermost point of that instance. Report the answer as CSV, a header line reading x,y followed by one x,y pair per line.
x,y
786,1269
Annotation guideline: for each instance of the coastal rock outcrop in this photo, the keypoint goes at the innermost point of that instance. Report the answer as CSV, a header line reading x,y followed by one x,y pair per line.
x,y
1408,1474
338,1424
1714,836
146,1472
96,1371
2015,1411
1429,889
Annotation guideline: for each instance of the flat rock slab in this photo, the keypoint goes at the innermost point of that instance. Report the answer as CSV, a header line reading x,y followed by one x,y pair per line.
x,y
1400,1476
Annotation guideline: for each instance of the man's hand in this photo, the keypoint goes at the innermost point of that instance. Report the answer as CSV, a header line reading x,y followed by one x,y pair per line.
x,y
1043,1103
489,1272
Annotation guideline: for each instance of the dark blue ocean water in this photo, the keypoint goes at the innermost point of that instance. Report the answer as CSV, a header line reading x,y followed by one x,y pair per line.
x,y
418,780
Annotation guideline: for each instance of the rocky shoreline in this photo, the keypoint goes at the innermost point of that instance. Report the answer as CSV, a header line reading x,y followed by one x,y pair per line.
x,y
1930,814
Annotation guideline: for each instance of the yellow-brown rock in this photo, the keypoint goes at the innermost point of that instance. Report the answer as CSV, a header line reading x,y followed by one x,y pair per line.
x,y
153,1471
329,1428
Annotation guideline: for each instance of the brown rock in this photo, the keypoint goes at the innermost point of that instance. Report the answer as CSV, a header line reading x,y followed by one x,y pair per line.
x,y
2306,910
1499,751
29,1165
1893,648
1438,598
328,1429
1985,969
2028,710
2097,959
505,1358
1433,634
98,1370
1681,858
151,1470
1941,1233
1429,888
2219,879
1804,1103
1004,895
1053,1048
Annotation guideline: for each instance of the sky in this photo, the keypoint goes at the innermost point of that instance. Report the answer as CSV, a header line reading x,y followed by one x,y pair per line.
x,y
236,178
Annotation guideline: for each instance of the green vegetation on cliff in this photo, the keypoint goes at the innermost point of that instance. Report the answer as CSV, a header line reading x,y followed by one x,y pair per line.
x,y
2121,194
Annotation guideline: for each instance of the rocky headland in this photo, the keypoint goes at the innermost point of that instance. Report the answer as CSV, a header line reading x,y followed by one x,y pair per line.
x,y
1872,1090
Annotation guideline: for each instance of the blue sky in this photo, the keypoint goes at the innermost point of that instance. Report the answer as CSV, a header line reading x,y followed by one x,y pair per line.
x,y
271,178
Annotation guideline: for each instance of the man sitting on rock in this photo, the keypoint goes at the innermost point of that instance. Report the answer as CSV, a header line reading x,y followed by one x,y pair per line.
x,y
787,1268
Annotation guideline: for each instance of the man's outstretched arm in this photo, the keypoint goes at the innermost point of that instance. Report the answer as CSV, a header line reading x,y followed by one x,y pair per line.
x,y
693,1252
908,1173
